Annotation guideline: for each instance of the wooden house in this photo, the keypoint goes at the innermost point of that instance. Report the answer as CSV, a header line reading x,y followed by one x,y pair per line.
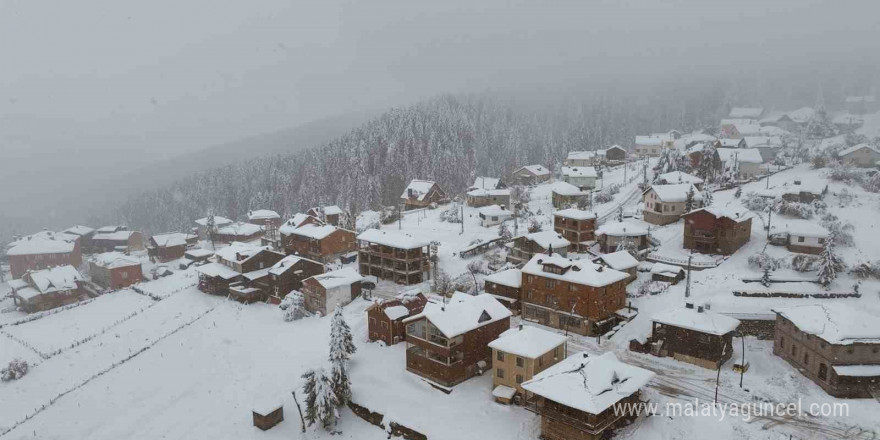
x,y
530,175
331,215
715,230
526,246
394,256
170,246
836,346
612,234
582,177
862,155
84,233
324,292
478,197
577,226
678,177
667,272
122,240
565,195
202,225
615,154
585,397
238,267
693,335
264,217
665,204
653,145
577,295
801,236
422,194
46,289
449,343
743,163
621,261
114,270
385,317
239,232
505,286
41,251
287,275
494,215
324,243
518,355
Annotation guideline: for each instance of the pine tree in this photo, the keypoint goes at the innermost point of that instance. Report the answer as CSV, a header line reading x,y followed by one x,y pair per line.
x,y
829,264
620,213
689,200
504,233
294,306
765,279
340,381
707,197
341,345
321,401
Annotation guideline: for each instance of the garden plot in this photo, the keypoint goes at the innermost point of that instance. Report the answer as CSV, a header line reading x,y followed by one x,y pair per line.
x,y
58,331
165,287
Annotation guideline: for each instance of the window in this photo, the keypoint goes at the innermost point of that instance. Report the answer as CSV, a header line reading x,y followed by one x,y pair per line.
x,y
499,372
520,362
800,239
781,342
519,378
823,372
373,322
850,350
541,361
499,355
384,325
794,350
572,287
548,283
806,358
124,275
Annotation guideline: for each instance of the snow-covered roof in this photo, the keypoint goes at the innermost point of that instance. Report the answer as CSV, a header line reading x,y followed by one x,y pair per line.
x,y
615,147
314,231
479,192
396,312
545,239
218,221
332,210
676,193
240,229
652,140
666,269
286,263
763,141
835,323
855,148
503,392
34,245
579,172
55,279
680,177
799,228
538,170
622,229
393,239
173,239
747,129
509,278
567,189
575,214
589,383
746,112
486,183
108,229
113,236
581,155
495,210
582,272
463,314
113,260
527,341
730,143
802,115
620,260
79,230
865,370
693,319
295,222
742,155
418,188
737,215
238,248
198,253
262,214
342,277
215,270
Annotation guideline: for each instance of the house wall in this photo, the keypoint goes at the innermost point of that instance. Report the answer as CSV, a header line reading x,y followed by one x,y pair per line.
x,y
20,264
524,249
575,231
514,375
659,212
805,245
479,201
581,182
703,232
279,286
50,300
320,300
863,157
524,177
615,154
549,302
116,278
434,195
694,347
331,247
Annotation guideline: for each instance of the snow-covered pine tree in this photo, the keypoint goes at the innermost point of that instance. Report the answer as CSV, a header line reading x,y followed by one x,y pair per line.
x,y
341,345
707,197
504,233
689,200
294,306
620,213
340,381
829,264
765,278
738,192
320,401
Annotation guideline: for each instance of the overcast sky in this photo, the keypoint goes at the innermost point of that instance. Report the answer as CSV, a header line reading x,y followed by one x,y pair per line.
x,y
92,83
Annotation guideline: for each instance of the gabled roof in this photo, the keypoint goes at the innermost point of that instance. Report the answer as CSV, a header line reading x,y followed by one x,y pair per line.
x,y
284,264
680,177
615,147
538,170
855,148
479,192
527,341
314,231
240,229
332,210
419,189
693,319
799,228
35,245
217,270
238,248
567,189
742,155
666,269
589,383
737,215
486,183
575,214
579,172
835,323
108,229
463,314
545,239
173,239
55,279
676,193
114,260
262,214
218,221
654,140
114,236
622,229
620,260
509,278
296,221
495,210
393,239
79,230
583,272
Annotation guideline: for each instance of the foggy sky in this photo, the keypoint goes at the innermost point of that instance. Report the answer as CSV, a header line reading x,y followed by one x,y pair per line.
x,y
93,84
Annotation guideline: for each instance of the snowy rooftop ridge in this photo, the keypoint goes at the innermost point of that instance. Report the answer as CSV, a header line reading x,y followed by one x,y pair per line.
x,y
622,229
701,321
463,313
495,210
589,383
418,188
567,189
835,323
78,230
582,272
286,263
620,260
676,192
680,177
737,215
338,278
486,183
240,228
172,239
237,248
742,155
33,245
509,278
538,170
527,341
55,279
546,239
314,231
393,239
261,214
113,260
855,148
579,172
575,214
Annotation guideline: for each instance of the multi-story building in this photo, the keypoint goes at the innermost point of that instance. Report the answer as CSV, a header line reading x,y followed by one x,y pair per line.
x,y
665,204
612,234
323,243
41,251
714,230
525,246
581,177
394,256
324,292
114,270
449,343
121,240
565,195
530,175
505,287
264,217
577,226
834,345
288,275
423,193
385,317
694,335
45,289
577,295
518,355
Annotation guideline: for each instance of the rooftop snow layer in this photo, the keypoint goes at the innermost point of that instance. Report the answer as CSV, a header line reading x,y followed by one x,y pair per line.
x,y
677,192
486,183
419,189
113,260
393,239
235,248
680,177
835,323
620,260
737,215
172,239
396,312
217,270
509,278
546,239
495,210
743,155
317,232
218,221
35,246
582,272
579,172
589,383
693,319
55,279
479,192
622,229
262,214
79,230
463,314
527,341
855,148
567,189
575,214
799,228
337,278
538,170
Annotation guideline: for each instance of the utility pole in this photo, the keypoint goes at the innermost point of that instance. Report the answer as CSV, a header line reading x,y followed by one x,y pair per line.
x,y
769,216
687,286
718,377
399,217
462,224
742,366
515,219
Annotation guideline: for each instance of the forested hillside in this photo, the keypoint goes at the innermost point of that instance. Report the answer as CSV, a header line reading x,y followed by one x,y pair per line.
x,y
449,139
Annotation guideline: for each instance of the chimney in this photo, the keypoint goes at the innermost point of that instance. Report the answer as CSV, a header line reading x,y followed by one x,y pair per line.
x,y
689,305
700,309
